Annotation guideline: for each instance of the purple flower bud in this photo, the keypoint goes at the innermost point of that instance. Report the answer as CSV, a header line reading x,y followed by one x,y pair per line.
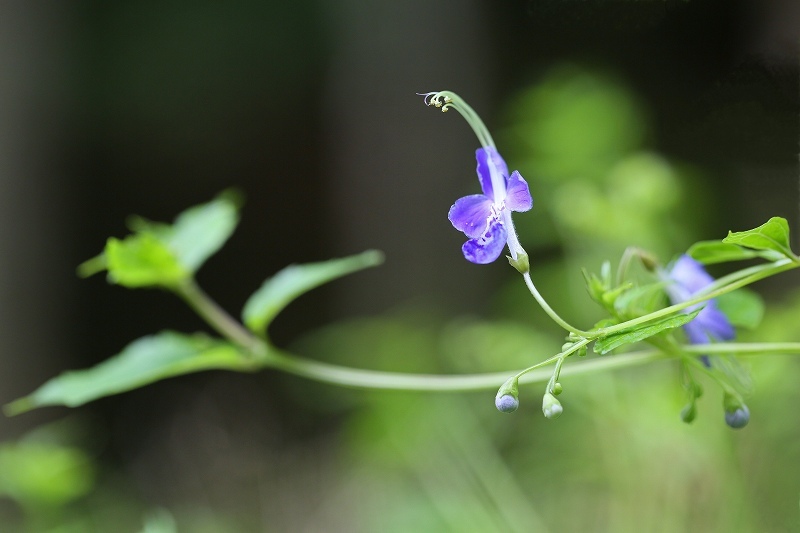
x,y
739,418
506,403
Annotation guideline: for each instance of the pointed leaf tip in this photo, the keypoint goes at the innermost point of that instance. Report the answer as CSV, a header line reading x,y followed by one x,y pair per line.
x,y
295,280
140,363
772,235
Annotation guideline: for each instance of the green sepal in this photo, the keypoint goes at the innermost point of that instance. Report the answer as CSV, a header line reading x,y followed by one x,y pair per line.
x,y
615,340
142,362
731,402
772,235
522,263
743,308
281,289
510,387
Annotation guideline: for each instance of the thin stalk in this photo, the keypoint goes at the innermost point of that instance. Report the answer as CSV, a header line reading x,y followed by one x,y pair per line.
x,y
373,379
219,319
549,310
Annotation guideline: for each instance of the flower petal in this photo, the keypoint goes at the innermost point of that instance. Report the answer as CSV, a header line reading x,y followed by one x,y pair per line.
x,y
711,324
696,332
486,248
470,214
715,323
690,274
488,157
518,196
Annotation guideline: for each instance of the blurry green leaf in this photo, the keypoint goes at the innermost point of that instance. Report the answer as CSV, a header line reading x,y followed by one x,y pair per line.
x,y
159,521
728,369
142,261
742,307
163,254
293,281
638,301
36,473
197,233
484,346
577,123
711,252
143,361
772,235
606,344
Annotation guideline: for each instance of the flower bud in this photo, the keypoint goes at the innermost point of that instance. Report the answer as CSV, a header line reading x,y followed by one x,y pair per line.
x,y
557,389
506,403
507,398
648,260
737,415
689,412
738,418
551,407
521,263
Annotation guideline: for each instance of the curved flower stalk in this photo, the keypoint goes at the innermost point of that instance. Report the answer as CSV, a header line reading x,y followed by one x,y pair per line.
x,y
685,279
486,218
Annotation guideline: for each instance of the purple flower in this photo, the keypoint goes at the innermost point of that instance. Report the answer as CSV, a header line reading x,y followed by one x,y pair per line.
x,y
686,278
486,218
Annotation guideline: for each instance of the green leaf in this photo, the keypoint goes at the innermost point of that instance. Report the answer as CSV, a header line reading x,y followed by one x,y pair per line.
x,y
743,308
197,233
293,281
711,252
143,361
772,235
142,261
615,340
638,301
163,254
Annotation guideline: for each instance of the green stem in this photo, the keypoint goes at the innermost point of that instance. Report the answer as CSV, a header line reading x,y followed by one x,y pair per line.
x,y
219,319
449,99
549,310
373,379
